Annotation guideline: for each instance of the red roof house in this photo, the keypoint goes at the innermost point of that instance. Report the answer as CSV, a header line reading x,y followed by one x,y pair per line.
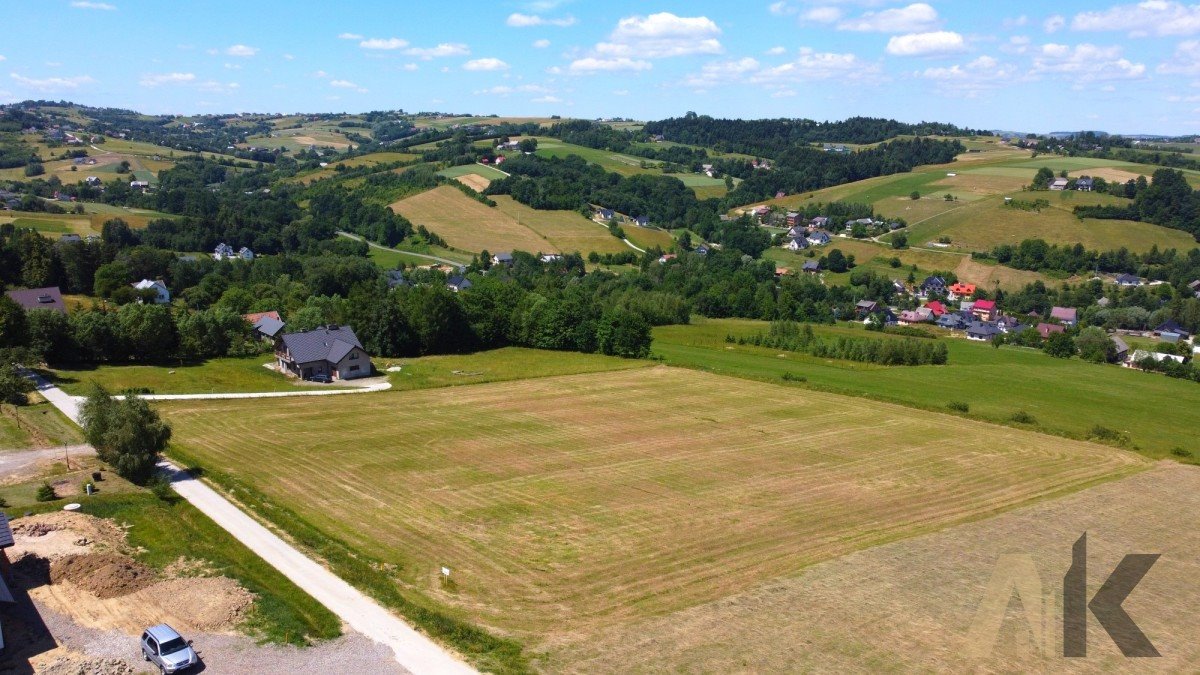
x,y
936,307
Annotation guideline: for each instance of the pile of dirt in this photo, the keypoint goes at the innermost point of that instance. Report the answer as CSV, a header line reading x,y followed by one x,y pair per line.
x,y
79,665
212,603
88,530
104,575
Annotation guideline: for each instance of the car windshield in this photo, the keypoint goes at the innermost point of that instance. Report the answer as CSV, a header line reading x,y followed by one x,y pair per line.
x,y
171,646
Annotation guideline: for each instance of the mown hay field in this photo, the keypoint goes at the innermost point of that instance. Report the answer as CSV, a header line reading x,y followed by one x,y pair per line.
x,y
568,230
567,506
469,225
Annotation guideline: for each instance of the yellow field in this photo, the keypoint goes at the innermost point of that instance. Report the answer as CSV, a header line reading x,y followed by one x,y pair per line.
x,y
474,181
568,230
570,506
469,225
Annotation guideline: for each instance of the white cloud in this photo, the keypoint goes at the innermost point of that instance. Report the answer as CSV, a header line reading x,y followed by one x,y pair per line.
x,y
2,58
718,72
241,50
662,35
232,66
1086,63
921,44
505,90
154,80
968,80
87,4
781,8
320,74
822,14
411,67
547,99
1185,60
289,57
814,65
52,84
784,93
541,44
346,84
489,63
442,50
1017,22
914,18
350,36
621,92
776,51
386,44
1017,44
1151,17
1054,24
592,64
518,20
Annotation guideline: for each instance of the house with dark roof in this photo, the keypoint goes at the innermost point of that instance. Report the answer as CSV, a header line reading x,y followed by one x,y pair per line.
x,y
982,330
267,326
796,244
503,258
818,238
642,221
1084,184
395,279
1128,280
811,267
953,321
330,351
1172,327
866,307
933,286
1122,348
458,283
39,298
606,214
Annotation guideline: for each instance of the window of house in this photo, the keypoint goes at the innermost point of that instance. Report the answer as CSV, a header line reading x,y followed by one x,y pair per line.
x,y
353,356
353,369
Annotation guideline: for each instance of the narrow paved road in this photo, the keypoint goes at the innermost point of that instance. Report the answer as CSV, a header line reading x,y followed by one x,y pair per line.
x,y
419,255
413,650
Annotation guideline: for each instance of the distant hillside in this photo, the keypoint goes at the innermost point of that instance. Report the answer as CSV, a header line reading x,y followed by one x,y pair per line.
x,y
770,137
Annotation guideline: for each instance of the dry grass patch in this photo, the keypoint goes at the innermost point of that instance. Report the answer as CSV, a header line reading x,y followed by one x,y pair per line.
x,y
909,606
474,181
469,225
567,506
567,230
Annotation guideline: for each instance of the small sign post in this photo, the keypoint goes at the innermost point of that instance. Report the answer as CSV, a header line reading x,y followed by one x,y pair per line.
x,y
446,572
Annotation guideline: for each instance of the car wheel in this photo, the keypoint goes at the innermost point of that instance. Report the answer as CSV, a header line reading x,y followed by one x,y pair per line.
x,y
145,656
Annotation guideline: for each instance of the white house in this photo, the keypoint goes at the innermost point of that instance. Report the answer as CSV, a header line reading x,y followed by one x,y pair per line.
x,y
162,295
796,244
245,254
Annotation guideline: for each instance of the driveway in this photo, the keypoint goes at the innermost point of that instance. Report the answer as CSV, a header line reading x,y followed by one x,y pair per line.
x,y
412,650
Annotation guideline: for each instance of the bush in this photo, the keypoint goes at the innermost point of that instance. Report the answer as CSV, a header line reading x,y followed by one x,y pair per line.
x,y
3,503
959,406
46,493
1180,452
1101,433
1022,417
792,377
161,487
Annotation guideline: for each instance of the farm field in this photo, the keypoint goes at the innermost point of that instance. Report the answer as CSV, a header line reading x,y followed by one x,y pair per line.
x,y
475,176
88,223
354,162
567,230
469,225
1068,397
38,425
920,598
626,165
978,220
565,511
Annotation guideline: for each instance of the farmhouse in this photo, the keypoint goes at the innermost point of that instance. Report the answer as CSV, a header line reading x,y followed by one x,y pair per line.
x,y
866,307
1084,184
161,295
223,251
332,351
1128,280
1058,184
1122,348
819,222
39,298
458,283
606,214
642,221
810,267
1170,326
1068,316
504,258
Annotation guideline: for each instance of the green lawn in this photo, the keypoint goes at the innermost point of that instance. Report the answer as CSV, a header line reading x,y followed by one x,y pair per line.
x,y
162,532
37,425
498,365
477,169
215,375
1067,397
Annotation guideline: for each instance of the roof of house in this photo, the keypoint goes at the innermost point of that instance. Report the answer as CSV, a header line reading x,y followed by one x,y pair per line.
x,y
962,289
1064,313
937,307
1128,279
253,317
986,305
269,325
1171,326
866,304
810,265
145,284
458,281
1121,346
6,536
503,256
982,328
1048,328
933,281
39,298
327,343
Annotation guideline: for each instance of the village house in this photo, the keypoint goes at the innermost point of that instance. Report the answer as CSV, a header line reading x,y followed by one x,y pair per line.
x,y
1059,184
933,286
819,238
1047,329
820,222
162,296
1122,348
395,279
327,351
458,283
984,310
796,244
961,290
666,258
245,253
1067,316
267,326
1084,184
865,308
953,321
1128,280
642,221
39,298
936,307
606,214
794,219
982,330
810,267
503,258
223,251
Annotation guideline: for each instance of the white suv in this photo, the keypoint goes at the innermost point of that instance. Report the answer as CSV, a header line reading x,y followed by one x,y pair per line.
x,y
164,647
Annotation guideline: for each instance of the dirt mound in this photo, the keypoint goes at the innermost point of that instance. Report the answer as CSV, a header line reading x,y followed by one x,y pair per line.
x,y
104,575
84,527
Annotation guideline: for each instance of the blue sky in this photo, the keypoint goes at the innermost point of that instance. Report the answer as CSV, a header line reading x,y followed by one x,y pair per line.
x,y
1029,66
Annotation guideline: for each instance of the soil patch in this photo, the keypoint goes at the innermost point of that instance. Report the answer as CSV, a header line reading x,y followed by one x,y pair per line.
x,y
104,575
475,182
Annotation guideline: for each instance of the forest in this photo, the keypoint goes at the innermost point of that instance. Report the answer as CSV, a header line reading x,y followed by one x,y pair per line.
x,y
1168,200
